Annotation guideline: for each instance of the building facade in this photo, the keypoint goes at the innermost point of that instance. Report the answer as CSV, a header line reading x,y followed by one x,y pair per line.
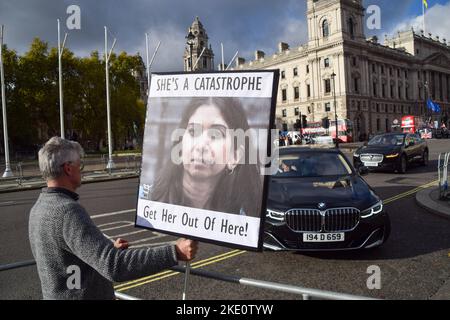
x,y
373,84
197,55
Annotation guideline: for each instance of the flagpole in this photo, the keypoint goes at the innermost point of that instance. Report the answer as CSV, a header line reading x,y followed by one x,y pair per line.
x,y
423,18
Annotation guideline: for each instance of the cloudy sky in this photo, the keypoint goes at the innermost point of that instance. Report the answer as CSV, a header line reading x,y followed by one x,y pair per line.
x,y
244,25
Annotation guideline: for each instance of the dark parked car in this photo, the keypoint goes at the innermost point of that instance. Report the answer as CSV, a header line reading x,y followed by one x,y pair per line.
x,y
440,133
392,151
317,201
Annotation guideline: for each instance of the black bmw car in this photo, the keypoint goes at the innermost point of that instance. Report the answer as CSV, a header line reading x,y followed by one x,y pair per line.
x,y
393,151
317,201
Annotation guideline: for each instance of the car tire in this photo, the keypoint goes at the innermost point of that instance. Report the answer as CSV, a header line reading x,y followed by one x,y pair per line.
x,y
425,158
402,164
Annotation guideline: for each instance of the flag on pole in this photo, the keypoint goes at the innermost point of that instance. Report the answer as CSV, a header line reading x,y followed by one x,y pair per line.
x,y
425,3
433,106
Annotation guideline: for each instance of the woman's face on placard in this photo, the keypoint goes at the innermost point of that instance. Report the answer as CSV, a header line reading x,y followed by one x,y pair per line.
x,y
206,143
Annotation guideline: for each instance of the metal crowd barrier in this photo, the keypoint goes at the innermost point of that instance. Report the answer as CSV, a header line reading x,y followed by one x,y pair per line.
x,y
443,175
306,293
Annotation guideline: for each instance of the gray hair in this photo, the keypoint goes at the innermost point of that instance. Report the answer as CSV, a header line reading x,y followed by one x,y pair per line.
x,y
55,153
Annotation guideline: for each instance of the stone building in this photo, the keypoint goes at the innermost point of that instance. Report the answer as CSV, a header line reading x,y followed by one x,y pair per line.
x,y
198,48
374,83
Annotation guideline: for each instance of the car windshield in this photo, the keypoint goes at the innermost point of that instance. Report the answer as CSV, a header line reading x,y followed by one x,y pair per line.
x,y
387,140
312,164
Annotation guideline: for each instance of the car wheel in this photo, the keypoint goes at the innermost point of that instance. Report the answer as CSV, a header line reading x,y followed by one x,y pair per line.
x,y
402,165
425,158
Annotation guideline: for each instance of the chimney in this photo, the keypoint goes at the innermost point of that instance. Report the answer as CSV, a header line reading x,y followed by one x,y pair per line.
x,y
282,46
259,54
240,61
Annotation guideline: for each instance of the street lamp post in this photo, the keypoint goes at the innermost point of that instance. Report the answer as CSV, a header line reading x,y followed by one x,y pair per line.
x,y
426,101
190,42
333,76
61,102
110,164
8,172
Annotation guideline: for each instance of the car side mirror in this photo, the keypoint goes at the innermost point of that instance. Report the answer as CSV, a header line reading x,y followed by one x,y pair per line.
x,y
363,171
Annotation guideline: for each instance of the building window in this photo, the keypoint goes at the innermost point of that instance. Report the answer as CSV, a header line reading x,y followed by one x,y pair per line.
x,y
308,90
326,62
205,63
295,71
351,28
327,107
378,125
307,68
399,92
327,86
398,73
386,122
374,68
354,61
296,93
356,84
284,111
375,89
383,89
392,91
284,95
378,108
406,74
283,75
407,93
297,111
382,69
325,29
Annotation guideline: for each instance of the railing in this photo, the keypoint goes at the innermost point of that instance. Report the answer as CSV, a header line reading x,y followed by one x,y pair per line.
x,y
305,293
443,175
26,171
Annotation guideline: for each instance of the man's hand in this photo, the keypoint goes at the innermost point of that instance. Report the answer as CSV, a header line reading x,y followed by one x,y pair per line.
x,y
186,249
121,244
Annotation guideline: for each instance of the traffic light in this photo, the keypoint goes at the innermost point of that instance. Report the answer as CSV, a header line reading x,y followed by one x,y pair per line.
x,y
325,123
304,122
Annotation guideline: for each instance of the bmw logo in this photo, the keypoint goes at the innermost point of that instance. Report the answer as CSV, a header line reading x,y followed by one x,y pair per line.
x,y
322,205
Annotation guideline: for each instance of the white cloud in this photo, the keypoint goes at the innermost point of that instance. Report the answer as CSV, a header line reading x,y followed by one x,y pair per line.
x,y
437,22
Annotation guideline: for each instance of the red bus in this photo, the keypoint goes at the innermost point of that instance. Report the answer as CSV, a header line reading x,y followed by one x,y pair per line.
x,y
345,130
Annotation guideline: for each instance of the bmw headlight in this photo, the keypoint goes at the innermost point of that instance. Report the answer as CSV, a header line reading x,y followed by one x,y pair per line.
x,y
276,215
373,210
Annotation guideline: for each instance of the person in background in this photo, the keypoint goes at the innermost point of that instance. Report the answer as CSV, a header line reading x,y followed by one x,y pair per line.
x,y
66,243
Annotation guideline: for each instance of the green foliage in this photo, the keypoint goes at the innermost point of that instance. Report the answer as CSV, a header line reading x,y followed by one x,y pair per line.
x,y
32,92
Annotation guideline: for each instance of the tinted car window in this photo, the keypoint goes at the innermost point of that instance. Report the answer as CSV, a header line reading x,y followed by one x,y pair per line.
x,y
312,164
387,140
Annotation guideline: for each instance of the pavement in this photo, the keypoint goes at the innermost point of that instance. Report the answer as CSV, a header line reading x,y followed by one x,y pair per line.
x,y
36,182
28,177
429,200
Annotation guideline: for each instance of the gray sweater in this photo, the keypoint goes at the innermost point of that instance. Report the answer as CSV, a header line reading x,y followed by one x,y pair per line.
x,y
63,235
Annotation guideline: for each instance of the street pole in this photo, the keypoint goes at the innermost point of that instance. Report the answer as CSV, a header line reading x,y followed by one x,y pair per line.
x,y
61,104
190,42
148,65
110,164
335,109
8,172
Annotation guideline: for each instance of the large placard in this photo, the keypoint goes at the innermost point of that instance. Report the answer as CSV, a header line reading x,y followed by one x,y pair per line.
x,y
205,155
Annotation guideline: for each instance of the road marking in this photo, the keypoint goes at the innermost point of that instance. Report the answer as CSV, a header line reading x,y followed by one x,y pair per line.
x,y
410,192
124,225
126,234
169,273
109,214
